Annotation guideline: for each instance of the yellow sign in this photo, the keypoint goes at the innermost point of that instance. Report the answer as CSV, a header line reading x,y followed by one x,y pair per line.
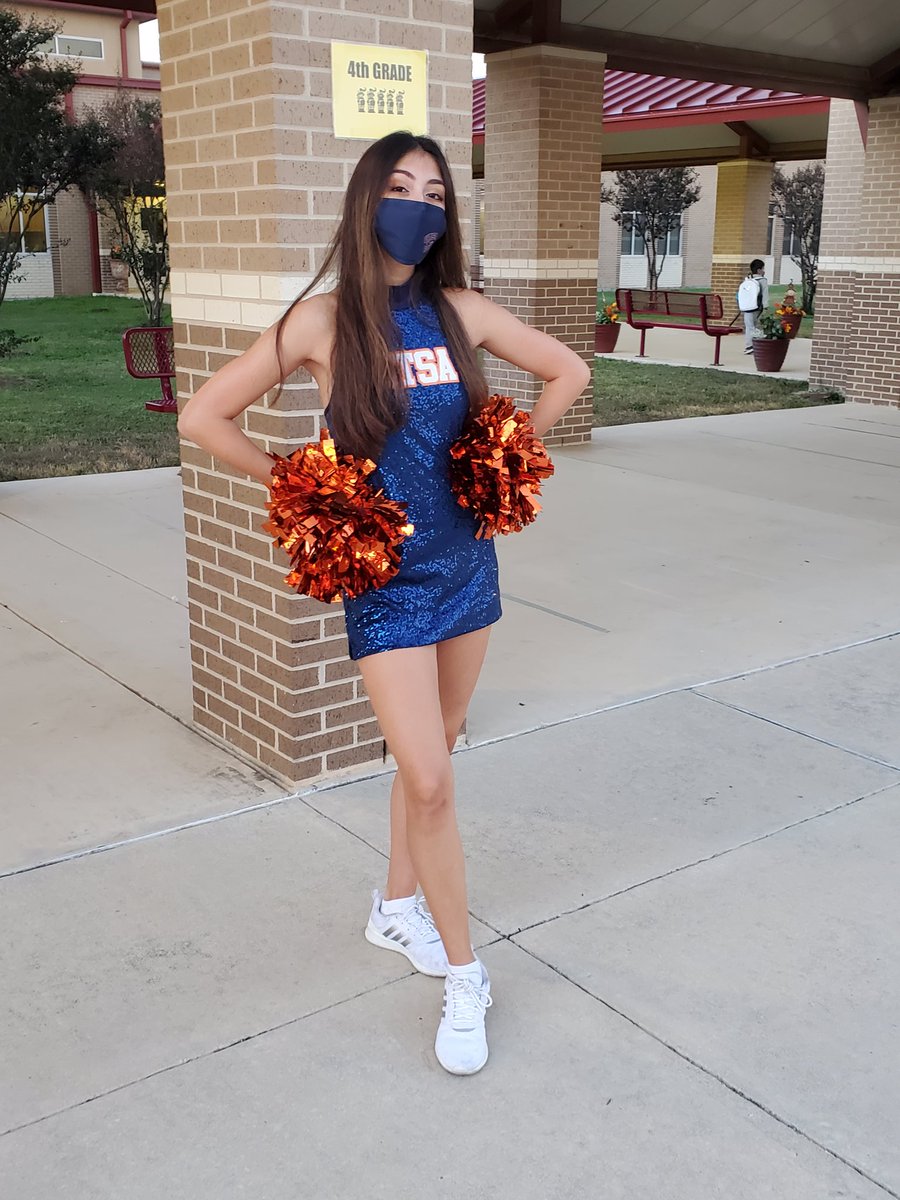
x,y
377,89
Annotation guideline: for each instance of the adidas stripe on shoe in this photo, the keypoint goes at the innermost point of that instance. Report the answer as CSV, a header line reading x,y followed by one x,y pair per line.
x,y
411,933
461,1043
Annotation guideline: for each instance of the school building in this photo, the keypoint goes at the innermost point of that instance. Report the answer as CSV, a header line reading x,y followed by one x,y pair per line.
x,y
67,243
256,173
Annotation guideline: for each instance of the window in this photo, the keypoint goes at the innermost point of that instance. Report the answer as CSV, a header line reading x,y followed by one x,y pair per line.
x,y
33,239
633,243
74,47
770,233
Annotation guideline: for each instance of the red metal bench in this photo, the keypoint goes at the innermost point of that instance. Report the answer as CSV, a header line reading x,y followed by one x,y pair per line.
x,y
644,309
150,354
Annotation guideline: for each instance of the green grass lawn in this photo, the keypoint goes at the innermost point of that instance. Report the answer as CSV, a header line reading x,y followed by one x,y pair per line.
x,y
67,404
69,407
626,392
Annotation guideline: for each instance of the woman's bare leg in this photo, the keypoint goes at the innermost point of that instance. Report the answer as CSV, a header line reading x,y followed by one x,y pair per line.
x,y
459,664
409,690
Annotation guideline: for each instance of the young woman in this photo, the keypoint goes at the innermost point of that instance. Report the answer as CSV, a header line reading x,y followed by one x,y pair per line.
x,y
393,351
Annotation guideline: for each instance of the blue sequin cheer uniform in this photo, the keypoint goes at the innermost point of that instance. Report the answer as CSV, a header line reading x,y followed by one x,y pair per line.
x,y
447,583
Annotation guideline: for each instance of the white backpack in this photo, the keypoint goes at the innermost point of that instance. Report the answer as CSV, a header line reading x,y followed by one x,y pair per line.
x,y
749,294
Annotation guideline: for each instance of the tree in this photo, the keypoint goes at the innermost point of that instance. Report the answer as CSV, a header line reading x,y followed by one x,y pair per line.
x,y
128,187
42,152
798,201
652,203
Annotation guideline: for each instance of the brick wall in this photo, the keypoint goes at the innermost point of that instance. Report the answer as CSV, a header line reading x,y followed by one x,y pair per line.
x,y
856,348
879,211
542,206
255,178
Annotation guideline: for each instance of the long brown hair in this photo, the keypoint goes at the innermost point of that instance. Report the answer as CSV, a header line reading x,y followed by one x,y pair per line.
x,y
368,396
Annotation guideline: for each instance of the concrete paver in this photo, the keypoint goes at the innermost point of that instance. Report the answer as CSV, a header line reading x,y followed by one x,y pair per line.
x,y
575,1102
569,815
144,956
775,968
100,568
704,548
848,699
86,761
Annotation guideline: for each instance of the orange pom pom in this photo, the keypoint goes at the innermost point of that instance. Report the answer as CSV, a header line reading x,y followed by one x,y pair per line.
x,y
496,468
342,536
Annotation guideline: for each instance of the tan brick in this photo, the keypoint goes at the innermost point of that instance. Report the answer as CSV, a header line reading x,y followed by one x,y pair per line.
x,y
255,181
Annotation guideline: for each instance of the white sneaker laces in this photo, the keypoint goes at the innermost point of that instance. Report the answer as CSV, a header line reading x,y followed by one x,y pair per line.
x,y
468,1001
423,923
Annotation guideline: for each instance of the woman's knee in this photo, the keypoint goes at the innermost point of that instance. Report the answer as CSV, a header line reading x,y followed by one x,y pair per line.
x,y
428,787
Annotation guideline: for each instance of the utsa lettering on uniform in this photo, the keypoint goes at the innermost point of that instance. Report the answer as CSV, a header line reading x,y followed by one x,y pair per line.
x,y
427,366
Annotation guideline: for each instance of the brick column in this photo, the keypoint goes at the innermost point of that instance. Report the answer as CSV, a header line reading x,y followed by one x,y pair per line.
x,y
856,347
255,179
743,191
542,207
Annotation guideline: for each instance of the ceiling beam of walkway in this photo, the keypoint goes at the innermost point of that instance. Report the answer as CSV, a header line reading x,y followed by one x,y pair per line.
x,y
752,144
695,60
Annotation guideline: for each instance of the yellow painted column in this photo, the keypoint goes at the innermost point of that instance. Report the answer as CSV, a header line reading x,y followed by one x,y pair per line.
x,y
743,191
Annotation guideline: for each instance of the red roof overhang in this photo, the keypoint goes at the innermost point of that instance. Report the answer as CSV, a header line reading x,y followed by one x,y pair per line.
x,y
633,101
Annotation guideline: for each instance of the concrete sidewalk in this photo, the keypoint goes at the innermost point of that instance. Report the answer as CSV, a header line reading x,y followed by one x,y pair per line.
x,y
680,805
693,348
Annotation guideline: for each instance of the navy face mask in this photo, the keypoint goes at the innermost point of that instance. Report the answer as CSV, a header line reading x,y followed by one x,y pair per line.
x,y
407,229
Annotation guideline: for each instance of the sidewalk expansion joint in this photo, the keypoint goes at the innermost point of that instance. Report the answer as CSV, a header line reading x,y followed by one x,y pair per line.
x,y
677,691
870,462
96,561
711,1074
726,850
259,768
812,737
553,612
336,784
184,1062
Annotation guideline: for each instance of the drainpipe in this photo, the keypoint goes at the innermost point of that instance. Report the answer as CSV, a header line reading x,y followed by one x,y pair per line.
x,y
94,236
123,41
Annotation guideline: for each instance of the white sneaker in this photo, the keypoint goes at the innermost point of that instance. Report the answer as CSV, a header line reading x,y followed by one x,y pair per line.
x,y
412,933
461,1045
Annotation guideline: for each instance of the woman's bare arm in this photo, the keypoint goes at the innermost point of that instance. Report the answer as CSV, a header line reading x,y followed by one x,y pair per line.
x,y
208,418
504,335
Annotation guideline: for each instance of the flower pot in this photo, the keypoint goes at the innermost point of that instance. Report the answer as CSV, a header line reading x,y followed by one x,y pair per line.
x,y
118,271
605,337
769,353
792,326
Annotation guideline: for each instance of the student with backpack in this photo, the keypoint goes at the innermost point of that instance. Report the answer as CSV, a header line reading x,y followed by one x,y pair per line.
x,y
752,298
